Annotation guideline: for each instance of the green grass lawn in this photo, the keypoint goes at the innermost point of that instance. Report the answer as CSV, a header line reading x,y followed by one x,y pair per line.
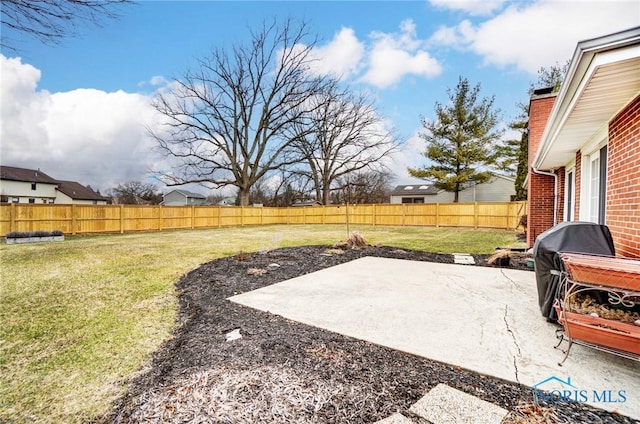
x,y
81,317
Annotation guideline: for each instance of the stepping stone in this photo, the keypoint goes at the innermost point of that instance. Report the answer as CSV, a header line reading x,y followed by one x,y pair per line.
x,y
445,405
463,258
396,418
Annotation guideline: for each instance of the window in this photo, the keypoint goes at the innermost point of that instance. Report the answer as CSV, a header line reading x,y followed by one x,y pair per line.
x,y
33,186
32,200
596,189
570,194
15,200
413,200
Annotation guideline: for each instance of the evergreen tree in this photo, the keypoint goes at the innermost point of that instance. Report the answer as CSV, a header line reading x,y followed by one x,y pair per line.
x,y
461,140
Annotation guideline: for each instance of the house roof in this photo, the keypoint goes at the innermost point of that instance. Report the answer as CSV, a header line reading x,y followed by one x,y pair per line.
x,y
603,77
187,193
77,191
13,173
429,189
415,190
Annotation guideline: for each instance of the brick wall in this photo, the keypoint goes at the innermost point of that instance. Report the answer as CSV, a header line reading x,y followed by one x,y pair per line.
x,y
623,185
540,192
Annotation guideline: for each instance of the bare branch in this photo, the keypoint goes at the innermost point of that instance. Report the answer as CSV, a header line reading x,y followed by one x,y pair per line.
x,y
52,20
343,135
227,122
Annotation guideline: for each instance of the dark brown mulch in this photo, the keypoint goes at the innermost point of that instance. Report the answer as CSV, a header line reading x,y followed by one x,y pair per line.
x,y
284,371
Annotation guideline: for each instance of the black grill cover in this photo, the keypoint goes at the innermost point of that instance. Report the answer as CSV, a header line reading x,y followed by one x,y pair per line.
x,y
576,236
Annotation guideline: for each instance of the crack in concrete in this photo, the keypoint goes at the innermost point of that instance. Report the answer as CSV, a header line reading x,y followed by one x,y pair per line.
x,y
515,342
507,277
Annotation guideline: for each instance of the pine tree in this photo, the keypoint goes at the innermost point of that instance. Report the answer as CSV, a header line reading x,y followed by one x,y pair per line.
x,y
461,140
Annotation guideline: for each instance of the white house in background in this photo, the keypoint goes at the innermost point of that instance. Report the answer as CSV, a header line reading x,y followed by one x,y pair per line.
x,y
76,193
20,185
180,197
419,193
498,189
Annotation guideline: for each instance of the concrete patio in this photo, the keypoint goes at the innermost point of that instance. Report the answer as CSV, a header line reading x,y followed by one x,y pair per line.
x,y
483,319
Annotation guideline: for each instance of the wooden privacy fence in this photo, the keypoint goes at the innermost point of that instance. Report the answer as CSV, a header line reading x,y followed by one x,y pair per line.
x,y
84,219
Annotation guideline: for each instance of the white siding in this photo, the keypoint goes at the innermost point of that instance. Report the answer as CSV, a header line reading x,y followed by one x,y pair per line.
x,y
175,198
23,191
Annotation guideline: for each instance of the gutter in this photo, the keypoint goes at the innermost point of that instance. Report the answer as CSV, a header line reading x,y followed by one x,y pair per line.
x,y
555,191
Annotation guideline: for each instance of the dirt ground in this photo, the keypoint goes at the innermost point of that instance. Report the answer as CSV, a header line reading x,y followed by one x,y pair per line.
x,y
282,371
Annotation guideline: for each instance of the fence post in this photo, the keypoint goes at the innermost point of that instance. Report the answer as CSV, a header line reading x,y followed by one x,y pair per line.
x,y
373,215
475,215
193,216
121,219
74,223
404,211
437,215
160,217
219,216
12,218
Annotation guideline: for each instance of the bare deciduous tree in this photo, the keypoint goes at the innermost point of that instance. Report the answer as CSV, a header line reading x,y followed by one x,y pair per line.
x,y
344,135
227,122
52,20
135,193
364,187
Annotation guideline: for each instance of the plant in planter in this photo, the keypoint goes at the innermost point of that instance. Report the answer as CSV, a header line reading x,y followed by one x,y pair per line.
x,y
14,237
584,319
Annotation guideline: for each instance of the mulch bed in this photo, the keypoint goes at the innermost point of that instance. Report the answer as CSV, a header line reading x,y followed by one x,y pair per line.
x,y
282,371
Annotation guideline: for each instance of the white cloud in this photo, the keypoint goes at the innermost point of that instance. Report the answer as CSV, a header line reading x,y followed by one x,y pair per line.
x,y
341,56
395,55
472,7
85,135
410,156
531,35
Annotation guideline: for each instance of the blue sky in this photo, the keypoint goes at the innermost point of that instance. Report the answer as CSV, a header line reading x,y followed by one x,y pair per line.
x,y
77,110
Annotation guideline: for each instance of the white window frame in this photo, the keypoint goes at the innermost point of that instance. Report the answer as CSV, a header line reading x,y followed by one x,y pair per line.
x,y
570,197
593,193
590,153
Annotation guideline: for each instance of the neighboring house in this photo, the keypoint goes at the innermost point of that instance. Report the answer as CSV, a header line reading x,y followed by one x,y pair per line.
x,y
498,189
584,143
413,193
20,185
76,193
227,201
181,197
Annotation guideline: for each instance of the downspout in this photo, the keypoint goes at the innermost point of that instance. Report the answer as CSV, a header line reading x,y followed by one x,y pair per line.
x,y
555,191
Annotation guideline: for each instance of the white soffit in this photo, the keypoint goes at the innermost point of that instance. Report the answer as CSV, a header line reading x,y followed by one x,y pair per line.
x,y
610,82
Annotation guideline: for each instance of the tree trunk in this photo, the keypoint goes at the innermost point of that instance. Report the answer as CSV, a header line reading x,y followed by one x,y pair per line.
x,y
244,197
326,195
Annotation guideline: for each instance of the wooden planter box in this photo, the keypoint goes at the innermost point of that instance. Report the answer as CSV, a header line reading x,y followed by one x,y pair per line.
x,y
601,331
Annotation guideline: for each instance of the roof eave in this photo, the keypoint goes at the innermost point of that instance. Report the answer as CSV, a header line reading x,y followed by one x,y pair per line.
x,y
555,149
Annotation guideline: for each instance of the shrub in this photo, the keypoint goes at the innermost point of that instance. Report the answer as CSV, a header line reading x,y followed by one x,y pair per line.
x,y
18,234
27,234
